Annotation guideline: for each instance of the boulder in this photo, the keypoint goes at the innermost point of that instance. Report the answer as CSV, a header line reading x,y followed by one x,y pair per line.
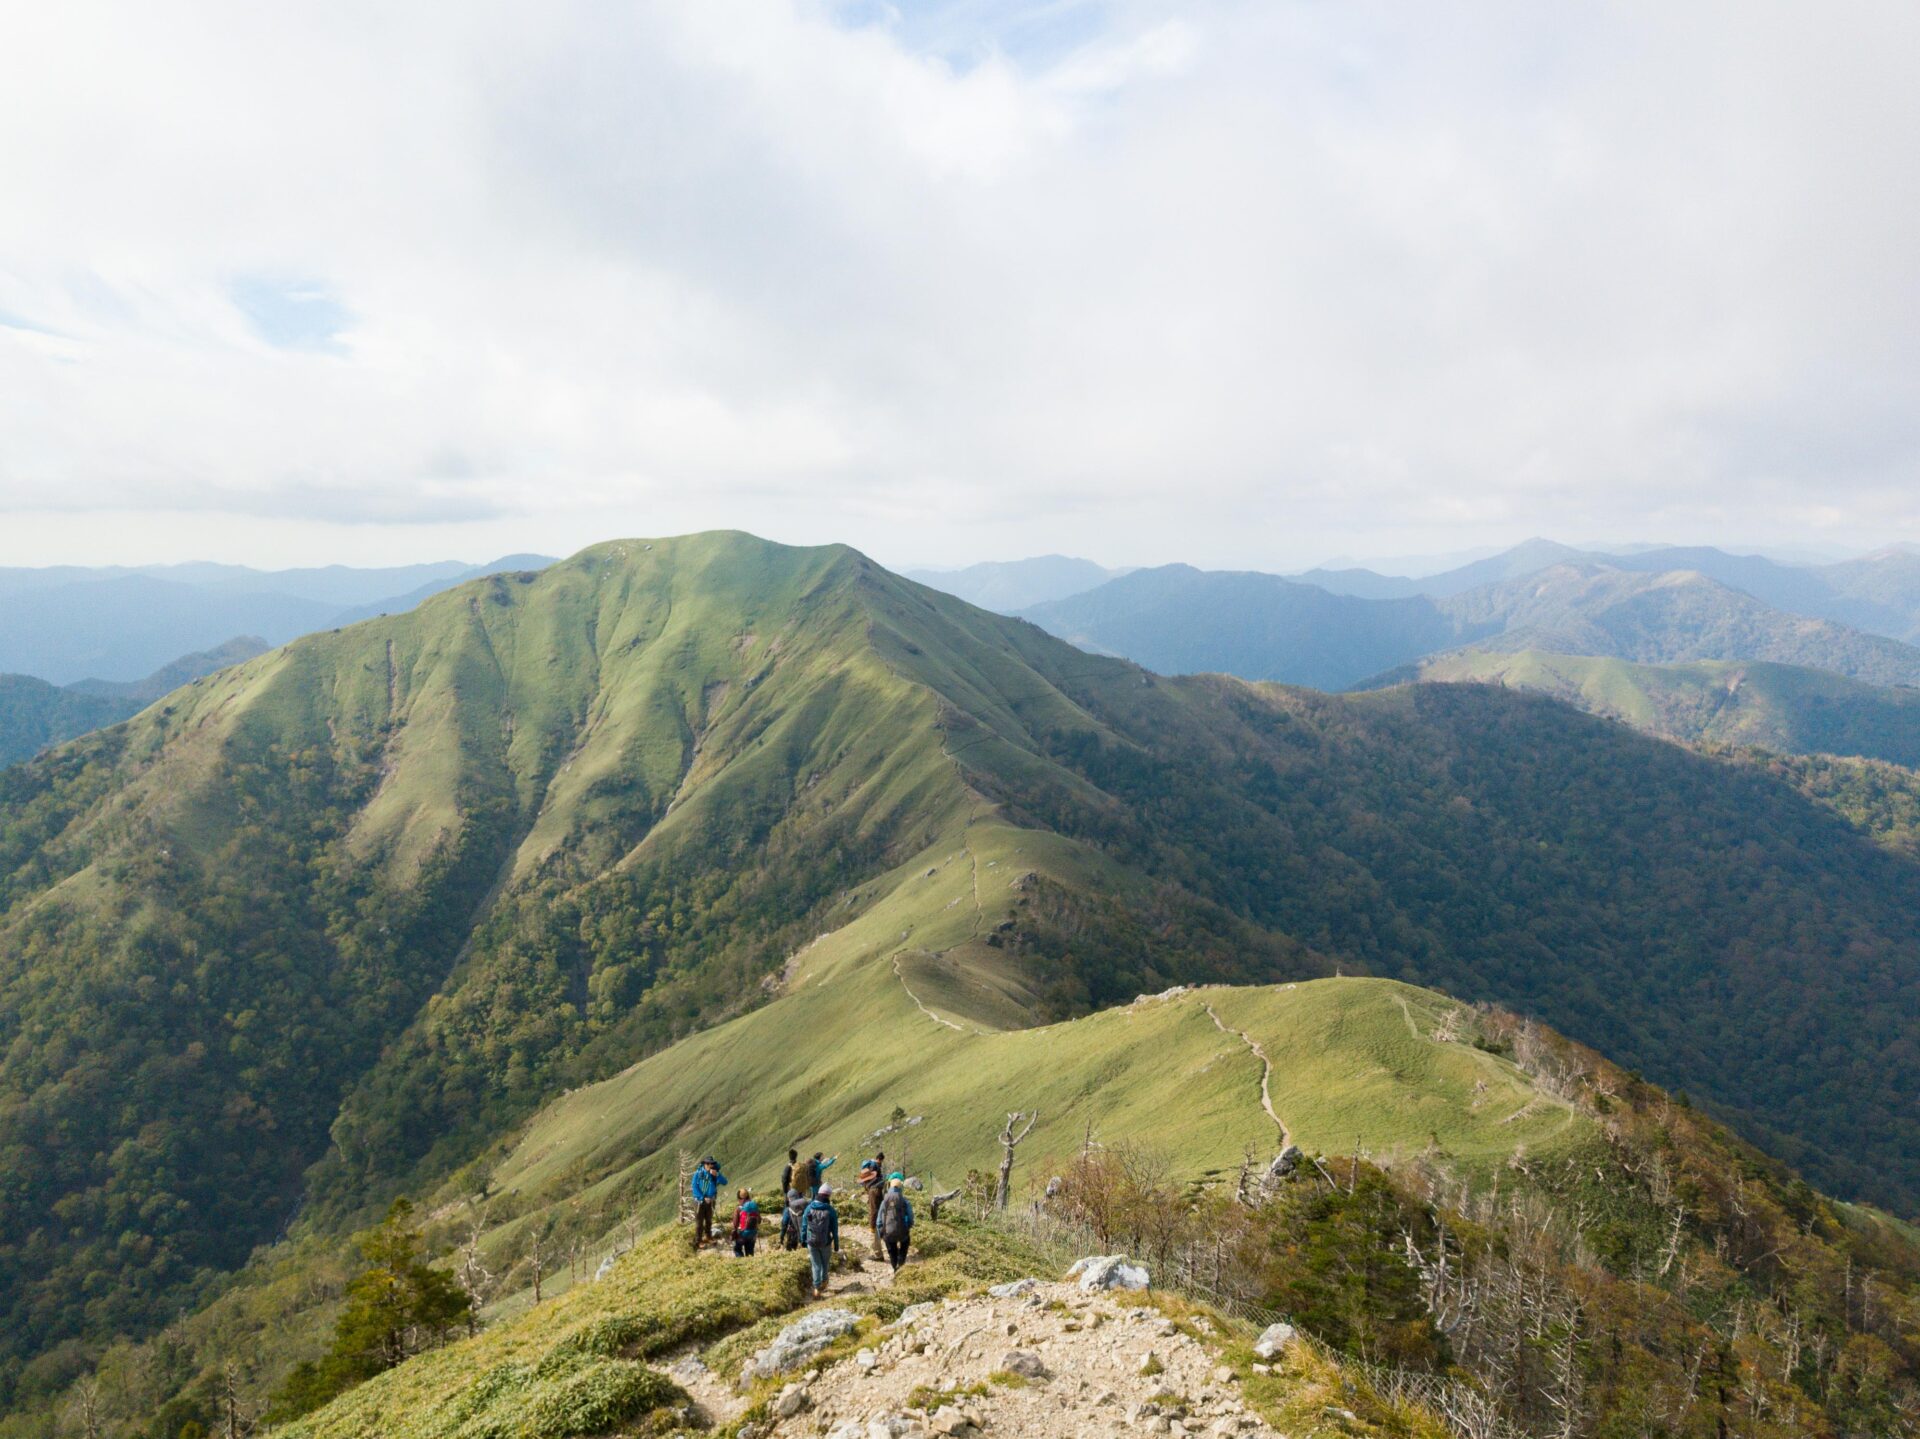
x,y
1109,1271
949,1420
1025,1363
1284,1164
1013,1288
790,1401
1273,1339
800,1341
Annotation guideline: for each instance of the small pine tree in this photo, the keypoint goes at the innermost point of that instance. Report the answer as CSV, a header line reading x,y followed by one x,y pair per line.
x,y
396,1307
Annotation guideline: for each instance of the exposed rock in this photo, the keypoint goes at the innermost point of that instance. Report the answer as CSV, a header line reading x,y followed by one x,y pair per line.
x,y
1025,1363
800,1341
1273,1339
1013,1288
790,1401
1109,1271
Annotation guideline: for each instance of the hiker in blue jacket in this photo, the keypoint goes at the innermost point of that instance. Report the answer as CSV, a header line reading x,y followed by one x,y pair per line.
x,y
707,1180
820,1228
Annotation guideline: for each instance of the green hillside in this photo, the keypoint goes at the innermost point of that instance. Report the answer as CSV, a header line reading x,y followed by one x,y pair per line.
x,y
325,926
1785,708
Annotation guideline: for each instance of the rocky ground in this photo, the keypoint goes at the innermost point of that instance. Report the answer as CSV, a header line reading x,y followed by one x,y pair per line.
x,y
1032,1359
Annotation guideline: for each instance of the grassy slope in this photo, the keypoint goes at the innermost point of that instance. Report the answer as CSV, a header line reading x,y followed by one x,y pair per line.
x,y
825,1065
1785,708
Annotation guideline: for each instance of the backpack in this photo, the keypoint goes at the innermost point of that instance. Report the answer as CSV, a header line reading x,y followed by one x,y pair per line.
x,y
818,1223
893,1215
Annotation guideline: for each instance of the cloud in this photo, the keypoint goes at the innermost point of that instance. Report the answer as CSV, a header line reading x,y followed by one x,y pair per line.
x,y
1238,283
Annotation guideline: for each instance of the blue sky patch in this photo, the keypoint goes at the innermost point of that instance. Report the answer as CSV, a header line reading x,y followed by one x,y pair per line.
x,y
291,314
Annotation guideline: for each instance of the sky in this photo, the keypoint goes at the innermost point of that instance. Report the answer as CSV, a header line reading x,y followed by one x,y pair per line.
x,y
1244,285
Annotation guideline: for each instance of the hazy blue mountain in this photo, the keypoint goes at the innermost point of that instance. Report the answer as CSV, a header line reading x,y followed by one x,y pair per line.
x,y
118,625
169,677
1009,586
1523,559
1180,620
35,714
1878,593
398,604
127,627
341,585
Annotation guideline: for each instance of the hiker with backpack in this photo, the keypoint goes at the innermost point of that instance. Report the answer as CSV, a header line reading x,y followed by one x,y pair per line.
x,y
790,1219
746,1225
707,1180
893,1221
872,1186
820,1227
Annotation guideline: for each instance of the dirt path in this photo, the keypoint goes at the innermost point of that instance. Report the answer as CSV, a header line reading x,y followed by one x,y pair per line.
x,y
1087,1365
718,1401
1266,1072
957,1028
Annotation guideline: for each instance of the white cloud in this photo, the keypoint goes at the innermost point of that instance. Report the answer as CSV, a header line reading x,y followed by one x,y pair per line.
x,y
1239,283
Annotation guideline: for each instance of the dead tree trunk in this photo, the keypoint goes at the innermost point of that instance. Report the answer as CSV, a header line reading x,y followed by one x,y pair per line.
x,y
1009,1141
686,1192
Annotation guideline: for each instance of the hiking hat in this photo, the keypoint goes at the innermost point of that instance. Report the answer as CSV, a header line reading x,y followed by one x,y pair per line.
x,y
825,1190
896,1176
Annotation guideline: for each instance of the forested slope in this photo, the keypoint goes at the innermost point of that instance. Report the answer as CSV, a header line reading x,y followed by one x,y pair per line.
x,y
1786,708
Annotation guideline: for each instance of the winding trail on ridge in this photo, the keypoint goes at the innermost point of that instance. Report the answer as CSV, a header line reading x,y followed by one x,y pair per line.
x,y
1266,1073
957,1028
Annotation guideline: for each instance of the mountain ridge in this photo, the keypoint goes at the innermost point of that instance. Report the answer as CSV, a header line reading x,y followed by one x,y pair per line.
x,y
407,882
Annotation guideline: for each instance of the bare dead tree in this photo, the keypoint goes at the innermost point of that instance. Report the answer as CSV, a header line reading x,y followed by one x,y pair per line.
x,y
85,1408
934,1203
473,1275
236,1420
1009,1141
536,1260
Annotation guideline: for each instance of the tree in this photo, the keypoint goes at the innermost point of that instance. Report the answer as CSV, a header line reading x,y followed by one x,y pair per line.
x,y
397,1307
1009,1141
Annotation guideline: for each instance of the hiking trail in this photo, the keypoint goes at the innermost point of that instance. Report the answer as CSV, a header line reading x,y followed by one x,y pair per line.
x,y
1266,1073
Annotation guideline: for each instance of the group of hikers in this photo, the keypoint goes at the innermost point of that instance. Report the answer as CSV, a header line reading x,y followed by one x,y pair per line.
x,y
808,1217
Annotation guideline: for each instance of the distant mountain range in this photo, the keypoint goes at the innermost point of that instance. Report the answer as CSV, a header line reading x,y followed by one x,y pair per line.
x,y
1878,593
1789,709
1008,586
67,624
35,714
1180,620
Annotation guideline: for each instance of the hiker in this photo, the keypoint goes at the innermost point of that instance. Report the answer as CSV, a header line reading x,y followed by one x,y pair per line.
x,y
873,1187
820,1227
809,1174
746,1225
707,1180
894,1221
790,1219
